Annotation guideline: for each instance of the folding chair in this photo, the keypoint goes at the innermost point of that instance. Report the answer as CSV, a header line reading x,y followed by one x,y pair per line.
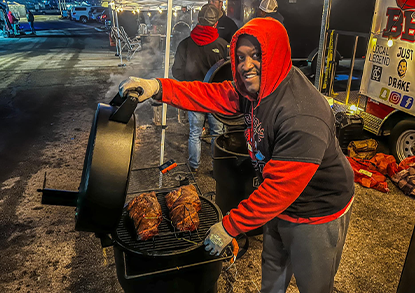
x,y
132,44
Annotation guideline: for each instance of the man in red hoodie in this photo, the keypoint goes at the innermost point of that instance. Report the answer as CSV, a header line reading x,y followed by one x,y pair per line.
x,y
306,192
195,55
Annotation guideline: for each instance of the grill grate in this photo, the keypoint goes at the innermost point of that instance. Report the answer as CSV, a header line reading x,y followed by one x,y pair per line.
x,y
169,241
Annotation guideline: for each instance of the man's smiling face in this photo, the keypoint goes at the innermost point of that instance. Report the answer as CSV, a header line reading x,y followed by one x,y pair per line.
x,y
248,58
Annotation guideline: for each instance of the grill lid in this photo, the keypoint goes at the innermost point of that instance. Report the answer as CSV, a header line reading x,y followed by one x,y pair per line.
x,y
106,170
169,241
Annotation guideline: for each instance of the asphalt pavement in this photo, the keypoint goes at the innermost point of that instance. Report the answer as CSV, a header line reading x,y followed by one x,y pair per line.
x,y
51,85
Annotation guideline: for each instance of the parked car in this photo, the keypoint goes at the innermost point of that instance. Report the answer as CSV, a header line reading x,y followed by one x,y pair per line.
x,y
97,11
82,13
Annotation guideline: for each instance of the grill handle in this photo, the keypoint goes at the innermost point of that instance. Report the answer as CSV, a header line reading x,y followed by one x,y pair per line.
x,y
59,197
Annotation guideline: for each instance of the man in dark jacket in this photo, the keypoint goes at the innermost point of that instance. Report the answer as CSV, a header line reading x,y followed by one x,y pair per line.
x,y
306,192
195,55
30,18
226,26
268,8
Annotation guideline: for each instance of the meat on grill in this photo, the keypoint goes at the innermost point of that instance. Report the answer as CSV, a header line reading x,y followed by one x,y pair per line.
x,y
184,205
145,211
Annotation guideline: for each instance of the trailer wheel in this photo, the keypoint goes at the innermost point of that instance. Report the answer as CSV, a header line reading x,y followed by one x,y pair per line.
x,y
402,140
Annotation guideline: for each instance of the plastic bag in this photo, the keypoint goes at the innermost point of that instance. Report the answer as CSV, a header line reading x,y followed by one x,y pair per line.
x,y
385,164
366,175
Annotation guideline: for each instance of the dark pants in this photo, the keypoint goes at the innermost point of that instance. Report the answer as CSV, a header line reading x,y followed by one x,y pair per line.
x,y
311,252
32,27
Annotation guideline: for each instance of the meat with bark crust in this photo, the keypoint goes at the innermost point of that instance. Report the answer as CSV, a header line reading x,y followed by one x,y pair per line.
x,y
184,205
145,211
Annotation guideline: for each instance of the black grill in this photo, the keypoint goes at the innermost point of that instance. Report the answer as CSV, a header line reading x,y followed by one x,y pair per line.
x,y
169,241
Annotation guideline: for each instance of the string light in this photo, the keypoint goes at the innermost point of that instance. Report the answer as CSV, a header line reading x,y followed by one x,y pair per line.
x,y
390,41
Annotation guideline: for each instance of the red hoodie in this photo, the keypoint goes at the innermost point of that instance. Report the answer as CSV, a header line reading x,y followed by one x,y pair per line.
x,y
288,116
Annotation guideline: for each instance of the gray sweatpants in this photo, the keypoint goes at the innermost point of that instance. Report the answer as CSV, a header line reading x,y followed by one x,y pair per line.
x,y
311,252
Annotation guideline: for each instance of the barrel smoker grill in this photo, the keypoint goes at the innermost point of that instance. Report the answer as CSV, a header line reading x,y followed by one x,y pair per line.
x,y
170,262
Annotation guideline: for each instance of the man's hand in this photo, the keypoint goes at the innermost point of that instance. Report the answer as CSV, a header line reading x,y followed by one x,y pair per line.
x,y
150,87
217,239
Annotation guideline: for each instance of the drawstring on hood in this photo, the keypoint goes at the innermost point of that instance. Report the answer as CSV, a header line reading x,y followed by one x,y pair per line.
x,y
275,55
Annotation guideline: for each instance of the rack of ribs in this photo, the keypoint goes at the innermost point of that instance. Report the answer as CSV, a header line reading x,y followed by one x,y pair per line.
x,y
184,205
145,211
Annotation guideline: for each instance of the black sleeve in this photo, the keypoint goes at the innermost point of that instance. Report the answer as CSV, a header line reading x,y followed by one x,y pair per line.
x,y
232,28
179,65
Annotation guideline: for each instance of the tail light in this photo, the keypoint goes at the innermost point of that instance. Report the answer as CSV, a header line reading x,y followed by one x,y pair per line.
x,y
104,16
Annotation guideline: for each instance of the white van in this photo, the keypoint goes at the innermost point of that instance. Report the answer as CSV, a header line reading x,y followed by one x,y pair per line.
x,y
81,13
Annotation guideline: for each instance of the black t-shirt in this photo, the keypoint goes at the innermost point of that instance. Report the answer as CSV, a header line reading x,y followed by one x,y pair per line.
x,y
294,113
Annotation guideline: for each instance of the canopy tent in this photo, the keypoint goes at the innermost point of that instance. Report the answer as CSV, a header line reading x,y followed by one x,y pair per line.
x,y
147,5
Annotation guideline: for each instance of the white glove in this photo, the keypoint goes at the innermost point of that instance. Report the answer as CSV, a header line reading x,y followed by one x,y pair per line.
x,y
150,87
217,239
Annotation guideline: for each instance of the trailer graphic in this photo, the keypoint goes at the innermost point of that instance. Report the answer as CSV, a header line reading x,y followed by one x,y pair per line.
x,y
388,78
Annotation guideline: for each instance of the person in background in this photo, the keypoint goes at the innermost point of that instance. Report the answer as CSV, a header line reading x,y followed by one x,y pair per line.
x,y
13,21
194,57
306,185
268,8
226,26
30,18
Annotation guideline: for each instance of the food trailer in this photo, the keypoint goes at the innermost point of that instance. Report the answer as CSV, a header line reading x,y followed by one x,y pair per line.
x,y
388,80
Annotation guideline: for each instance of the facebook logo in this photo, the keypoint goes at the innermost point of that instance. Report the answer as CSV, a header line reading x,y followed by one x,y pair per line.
x,y
407,102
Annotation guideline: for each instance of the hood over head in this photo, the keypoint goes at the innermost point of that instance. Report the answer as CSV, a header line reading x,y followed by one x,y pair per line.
x,y
275,54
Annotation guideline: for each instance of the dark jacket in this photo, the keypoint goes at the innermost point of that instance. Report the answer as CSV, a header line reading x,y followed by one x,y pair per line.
x,y
30,17
277,16
290,136
226,28
196,54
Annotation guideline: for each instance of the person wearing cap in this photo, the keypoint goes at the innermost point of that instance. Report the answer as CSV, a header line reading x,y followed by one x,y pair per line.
x,y
194,57
306,189
226,26
268,8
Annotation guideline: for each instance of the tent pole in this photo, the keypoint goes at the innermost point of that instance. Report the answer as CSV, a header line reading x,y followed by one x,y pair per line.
x,y
166,75
325,20
118,38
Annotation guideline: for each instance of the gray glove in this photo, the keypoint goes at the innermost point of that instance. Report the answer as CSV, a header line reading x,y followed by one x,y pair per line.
x,y
150,87
217,239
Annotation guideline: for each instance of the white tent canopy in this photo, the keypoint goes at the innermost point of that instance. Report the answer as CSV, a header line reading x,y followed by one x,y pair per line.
x,y
145,5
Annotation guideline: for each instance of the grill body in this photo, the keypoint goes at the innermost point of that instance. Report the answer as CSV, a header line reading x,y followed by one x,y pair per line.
x,y
171,262
133,272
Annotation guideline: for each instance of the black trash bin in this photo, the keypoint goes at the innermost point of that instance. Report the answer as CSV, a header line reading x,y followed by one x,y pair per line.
x,y
233,171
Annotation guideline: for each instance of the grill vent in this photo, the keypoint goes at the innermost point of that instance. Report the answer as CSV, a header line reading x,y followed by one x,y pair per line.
x,y
169,241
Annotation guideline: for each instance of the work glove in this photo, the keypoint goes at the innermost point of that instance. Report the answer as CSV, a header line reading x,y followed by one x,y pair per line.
x,y
217,239
146,88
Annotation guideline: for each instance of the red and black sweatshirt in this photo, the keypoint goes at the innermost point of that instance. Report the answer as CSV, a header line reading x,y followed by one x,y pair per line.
x,y
290,134
196,54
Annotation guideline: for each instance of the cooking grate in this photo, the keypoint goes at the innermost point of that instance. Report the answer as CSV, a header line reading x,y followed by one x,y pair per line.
x,y
169,241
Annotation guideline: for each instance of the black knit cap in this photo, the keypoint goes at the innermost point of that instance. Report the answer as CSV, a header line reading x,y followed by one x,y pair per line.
x,y
208,15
